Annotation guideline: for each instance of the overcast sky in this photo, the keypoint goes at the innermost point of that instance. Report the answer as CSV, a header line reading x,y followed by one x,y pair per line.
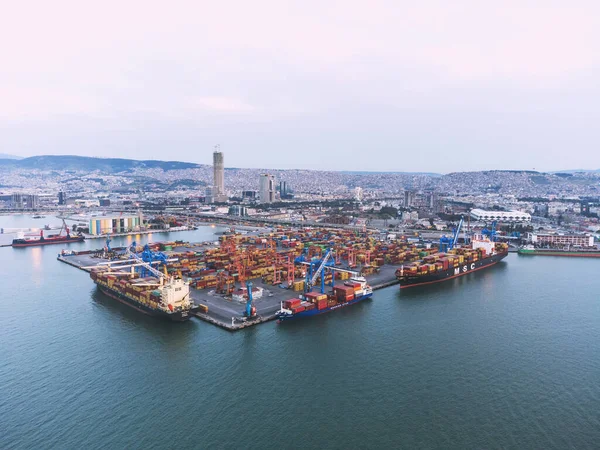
x,y
435,86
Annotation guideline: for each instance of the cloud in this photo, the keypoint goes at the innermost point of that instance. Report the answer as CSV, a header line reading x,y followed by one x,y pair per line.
x,y
378,76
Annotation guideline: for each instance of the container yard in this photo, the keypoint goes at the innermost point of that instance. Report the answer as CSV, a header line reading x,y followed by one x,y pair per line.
x,y
244,279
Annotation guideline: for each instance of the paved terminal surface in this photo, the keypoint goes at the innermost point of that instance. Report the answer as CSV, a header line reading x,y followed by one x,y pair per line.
x,y
224,311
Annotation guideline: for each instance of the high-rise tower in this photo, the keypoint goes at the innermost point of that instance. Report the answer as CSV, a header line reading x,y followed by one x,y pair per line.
x,y
267,188
219,175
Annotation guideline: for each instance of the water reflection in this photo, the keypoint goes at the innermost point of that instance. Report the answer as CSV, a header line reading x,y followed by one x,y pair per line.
x,y
165,333
36,257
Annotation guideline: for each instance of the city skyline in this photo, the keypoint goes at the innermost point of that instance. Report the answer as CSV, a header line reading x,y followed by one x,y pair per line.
x,y
396,87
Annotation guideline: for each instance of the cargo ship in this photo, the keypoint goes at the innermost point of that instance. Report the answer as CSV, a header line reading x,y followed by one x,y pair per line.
x,y
437,267
59,238
593,252
351,292
164,297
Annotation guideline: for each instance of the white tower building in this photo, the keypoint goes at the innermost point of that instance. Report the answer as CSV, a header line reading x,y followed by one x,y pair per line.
x,y
267,188
218,175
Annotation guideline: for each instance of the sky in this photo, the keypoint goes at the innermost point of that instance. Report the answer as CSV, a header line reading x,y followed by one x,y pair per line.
x,y
427,86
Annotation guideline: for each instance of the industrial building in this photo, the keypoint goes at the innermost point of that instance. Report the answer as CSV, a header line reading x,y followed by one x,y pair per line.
x,y
562,240
500,216
87,202
285,192
238,210
24,201
218,176
32,201
267,188
120,223
16,201
249,195
209,194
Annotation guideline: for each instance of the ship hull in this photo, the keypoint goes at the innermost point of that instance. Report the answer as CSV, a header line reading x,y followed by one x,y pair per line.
x,y
572,254
316,312
453,272
179,316
47,241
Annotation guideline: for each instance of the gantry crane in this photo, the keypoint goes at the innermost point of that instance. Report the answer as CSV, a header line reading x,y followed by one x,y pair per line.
x,y
250,311
447,243
491,233
225,283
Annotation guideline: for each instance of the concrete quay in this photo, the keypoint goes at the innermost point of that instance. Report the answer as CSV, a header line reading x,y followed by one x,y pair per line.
x,y
223,311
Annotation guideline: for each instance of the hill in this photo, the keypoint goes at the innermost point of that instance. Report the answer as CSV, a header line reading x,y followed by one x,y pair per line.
x,y
7,156
89,164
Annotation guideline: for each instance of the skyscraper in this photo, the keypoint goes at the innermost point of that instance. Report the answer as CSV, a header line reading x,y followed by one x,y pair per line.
x,y
219,176
409,198
267,188
62,198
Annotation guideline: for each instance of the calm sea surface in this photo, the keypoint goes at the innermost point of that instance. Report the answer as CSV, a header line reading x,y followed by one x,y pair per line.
x,y
504,358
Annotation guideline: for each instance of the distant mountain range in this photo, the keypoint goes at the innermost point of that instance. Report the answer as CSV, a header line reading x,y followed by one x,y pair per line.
x,y
88,164
575,171
368,172
115,165
6,156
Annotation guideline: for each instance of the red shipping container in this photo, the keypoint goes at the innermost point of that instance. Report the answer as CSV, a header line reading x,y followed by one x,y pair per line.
x,y
292,303
322,304
343,289
297,309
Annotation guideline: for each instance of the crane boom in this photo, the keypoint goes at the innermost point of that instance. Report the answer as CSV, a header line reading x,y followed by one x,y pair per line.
x,y
313,280
455,239
157,273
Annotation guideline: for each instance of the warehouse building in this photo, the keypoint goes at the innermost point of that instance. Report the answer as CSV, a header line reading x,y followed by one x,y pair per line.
x,y
500,216
121,223
562,240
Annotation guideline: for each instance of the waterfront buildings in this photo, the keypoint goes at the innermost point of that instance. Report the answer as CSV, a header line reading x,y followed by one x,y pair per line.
x,y
24,201
562,240
119,223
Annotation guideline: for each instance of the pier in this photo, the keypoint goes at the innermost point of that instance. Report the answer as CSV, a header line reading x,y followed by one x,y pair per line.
x,y
222,309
